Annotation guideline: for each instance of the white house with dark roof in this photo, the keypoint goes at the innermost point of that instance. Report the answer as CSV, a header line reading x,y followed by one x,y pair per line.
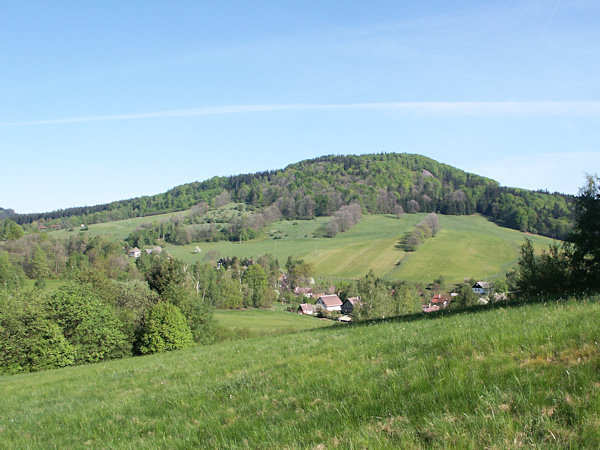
x,y
481,287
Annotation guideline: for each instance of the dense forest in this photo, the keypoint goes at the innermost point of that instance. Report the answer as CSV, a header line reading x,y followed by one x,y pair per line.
x,y
379,183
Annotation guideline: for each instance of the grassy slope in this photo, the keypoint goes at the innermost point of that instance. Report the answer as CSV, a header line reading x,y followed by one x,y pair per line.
x,y
118,229
523,376
467,246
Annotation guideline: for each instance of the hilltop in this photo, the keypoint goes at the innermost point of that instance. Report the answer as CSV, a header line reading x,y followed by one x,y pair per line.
x,y
380,183
501,377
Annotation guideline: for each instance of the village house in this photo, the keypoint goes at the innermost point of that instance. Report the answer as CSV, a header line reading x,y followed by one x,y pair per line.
x,y
437,302
481,287
306,308
349,304
307,292
135,252
329,303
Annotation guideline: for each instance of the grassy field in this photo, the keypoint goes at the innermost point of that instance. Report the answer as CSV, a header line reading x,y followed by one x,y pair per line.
x,y
118,229
466,247
265,322
526,376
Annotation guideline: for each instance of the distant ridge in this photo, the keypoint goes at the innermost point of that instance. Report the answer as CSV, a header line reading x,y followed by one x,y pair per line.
x,y
4,213
381,183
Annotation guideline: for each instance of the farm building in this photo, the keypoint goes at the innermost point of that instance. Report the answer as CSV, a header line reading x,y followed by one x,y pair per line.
x,y
306,291
349,304
135,252
329,303
481,287
306,308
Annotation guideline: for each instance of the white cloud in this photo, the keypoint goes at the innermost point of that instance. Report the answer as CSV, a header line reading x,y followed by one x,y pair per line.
x,y
502,108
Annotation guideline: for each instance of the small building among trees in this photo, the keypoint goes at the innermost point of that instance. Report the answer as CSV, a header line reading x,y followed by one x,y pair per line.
x,y
481,287
349,304
135,252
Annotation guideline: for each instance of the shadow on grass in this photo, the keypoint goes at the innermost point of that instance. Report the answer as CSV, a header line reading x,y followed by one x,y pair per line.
x,y
475,309
402,244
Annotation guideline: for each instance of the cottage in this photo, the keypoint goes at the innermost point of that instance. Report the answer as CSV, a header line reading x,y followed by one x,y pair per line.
x,y
307,292
442,300
349,304
135,252
329,303
481,287
306,308
437,302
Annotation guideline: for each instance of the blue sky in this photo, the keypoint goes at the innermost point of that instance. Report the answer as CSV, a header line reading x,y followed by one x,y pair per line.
x,y
103,101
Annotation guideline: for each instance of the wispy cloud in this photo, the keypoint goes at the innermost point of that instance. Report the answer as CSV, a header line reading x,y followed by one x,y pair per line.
x,y
577,108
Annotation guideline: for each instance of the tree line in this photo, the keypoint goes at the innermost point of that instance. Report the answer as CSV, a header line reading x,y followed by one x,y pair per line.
x,y
572,266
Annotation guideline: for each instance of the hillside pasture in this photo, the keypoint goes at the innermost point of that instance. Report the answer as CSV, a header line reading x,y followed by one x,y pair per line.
x,y
466,247
525,376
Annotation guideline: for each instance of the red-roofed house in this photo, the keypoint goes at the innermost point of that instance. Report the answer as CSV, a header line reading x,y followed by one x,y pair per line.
x,y
329,303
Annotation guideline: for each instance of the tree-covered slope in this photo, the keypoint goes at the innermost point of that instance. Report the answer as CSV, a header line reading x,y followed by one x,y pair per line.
x,y
4,213
380,183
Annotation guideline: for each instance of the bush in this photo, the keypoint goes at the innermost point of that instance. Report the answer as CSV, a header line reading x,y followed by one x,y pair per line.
x,y
164,329
88,324
29,342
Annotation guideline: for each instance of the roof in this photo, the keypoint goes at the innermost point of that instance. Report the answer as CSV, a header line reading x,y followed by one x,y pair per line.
x,y
306,307
299,290
482,284
353,300
439,298
331,300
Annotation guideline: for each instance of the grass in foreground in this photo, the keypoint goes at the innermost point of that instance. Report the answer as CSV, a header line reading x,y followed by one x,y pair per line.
x,y
506,377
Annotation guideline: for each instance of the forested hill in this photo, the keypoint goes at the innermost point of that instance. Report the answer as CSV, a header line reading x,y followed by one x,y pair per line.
x,y
381,183
4,213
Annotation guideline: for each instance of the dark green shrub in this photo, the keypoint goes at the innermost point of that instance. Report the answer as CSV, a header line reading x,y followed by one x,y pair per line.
x,y
29,342
90,326
164,329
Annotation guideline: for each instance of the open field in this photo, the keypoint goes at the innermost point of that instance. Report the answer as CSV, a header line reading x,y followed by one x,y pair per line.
x,y
466,247
265,322
501,377
118,229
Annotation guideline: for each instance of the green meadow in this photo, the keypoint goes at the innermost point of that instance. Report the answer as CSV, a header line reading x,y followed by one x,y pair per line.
x,y
257,322
118,229
522,376
466,247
